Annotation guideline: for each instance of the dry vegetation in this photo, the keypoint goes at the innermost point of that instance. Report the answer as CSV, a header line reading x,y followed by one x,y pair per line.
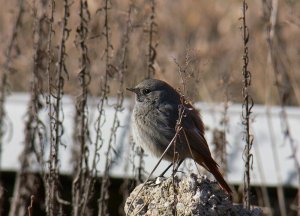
x,y
209,28
96,48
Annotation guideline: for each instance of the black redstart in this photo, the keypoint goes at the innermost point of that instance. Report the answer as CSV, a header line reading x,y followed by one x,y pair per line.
x,y
154,119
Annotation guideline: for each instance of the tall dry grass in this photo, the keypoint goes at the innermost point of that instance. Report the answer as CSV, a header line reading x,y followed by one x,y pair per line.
x,y
96,48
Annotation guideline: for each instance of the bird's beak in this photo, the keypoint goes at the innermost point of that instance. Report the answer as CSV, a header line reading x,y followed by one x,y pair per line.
x,y
135,90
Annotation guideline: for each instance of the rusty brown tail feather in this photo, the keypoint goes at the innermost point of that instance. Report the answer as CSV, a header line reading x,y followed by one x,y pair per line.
x,y
209,164
216,173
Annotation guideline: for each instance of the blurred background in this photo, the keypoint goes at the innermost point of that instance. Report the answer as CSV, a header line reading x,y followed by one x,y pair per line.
x,y
66,147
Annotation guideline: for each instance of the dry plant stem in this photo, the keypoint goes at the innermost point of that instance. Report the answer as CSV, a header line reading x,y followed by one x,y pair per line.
x,y
182,73
104,194
118,107
140,168
247,107
150,72
35,131
31,205
55,203
273,58
49,104
151,44
116,124
271,14
83,181
174,185
188,142
122,72
6,67
176,157
294,149
224,124
4,88
280,191
262,193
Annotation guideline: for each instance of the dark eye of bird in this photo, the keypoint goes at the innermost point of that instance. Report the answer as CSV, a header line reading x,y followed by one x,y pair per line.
x,y
146,91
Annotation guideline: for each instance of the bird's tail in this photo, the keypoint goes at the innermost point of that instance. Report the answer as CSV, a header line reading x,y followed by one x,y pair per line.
x,y
212,167
216,173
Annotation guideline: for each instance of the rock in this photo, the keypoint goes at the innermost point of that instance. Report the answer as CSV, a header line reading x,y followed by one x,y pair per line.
x,y
193,195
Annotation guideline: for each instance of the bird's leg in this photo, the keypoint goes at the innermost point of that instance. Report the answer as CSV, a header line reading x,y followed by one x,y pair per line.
x,y
164,172
176,168
178,165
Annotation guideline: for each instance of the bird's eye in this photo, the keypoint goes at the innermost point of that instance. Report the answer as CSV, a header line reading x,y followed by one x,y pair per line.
x,y
146,91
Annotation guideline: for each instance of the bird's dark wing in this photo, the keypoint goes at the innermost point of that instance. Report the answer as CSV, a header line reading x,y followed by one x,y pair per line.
x,y
193,119
195,142
167,115
193,124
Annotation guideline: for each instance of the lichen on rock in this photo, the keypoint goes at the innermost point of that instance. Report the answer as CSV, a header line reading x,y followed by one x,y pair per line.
x,y
193,195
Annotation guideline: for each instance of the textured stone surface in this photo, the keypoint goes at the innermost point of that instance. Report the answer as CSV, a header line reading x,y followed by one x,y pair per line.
x,y
193,196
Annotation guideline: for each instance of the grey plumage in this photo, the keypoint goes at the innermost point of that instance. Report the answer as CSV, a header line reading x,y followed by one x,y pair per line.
x,y
154,118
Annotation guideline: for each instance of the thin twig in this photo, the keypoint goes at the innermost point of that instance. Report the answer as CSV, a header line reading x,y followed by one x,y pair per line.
x,y
224,122
247,107
151,44
83,182
283,87
104,195
55,114
123,72
49,101
4,85
30,212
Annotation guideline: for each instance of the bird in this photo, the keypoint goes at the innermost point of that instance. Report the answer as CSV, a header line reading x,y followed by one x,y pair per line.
x,y
154,119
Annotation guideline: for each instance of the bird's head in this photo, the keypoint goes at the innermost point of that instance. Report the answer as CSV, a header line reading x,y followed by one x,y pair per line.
x,y
153,90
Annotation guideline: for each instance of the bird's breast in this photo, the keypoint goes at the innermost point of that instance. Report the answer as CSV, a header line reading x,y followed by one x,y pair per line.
x,y
146,134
